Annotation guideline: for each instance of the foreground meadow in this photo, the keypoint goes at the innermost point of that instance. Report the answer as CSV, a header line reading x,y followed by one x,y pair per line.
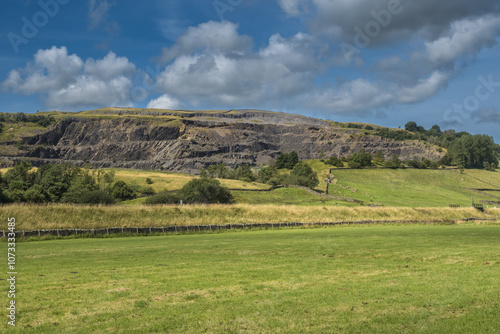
x,y
371,279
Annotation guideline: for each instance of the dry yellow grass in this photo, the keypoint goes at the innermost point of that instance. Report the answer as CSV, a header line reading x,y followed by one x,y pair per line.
x,y
171,181
63,216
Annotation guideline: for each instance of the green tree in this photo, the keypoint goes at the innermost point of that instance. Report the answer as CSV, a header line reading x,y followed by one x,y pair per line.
x,y
303,175
56,179
379,157
292,160
287,160
473,151
203,173
394,163
19,177
122,191
360,159
280,161
80,185
265,174
244,173
205,191
334,161
274,181
411,126
36,194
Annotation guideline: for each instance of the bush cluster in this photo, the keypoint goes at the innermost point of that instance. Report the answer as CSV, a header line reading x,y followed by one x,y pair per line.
x,y
61,183
202,190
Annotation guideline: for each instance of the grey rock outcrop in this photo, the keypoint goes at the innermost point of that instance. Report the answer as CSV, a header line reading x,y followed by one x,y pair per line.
x,y
197,139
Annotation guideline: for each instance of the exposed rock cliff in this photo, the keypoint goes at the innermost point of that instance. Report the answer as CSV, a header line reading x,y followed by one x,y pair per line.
x,y
185,141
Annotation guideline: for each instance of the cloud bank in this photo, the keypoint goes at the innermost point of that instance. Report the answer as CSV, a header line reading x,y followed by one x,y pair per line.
x,y
400,52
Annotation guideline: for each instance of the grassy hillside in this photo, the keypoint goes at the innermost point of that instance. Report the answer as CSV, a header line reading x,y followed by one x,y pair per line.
x,y
401,187
412,188
387,187
174,181
285,196
378,279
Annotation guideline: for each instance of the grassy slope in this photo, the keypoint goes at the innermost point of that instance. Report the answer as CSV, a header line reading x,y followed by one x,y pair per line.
x,y
429,279
285,196
408,187
403,188
413,188
174,181
14,131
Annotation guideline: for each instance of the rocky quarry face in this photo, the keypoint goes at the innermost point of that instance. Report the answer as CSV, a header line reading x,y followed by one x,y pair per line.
x,y
198,139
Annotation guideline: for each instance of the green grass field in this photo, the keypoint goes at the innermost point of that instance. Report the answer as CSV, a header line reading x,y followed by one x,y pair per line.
x,y
376,279
413,187
285,196
401,187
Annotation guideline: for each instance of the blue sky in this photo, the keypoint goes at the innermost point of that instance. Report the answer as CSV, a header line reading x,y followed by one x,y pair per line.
x,y
377,61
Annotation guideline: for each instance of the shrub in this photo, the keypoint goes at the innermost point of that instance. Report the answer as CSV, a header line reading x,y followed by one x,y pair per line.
x,y
205,191
163,197
147,191
149,181
35,195
354,165
3,197
274,182
334,161
303,175
360,159
394,163
122,191
96,197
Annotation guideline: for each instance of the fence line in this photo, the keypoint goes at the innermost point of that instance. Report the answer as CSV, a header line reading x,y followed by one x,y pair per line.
x,y
199,228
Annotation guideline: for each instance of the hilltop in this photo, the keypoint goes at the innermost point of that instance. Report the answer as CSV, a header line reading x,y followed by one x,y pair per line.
x,y
185,141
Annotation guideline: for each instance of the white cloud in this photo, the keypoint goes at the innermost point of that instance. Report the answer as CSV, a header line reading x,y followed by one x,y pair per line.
x,y
425,88
64,80
89,91
355,96
98,12
53,69
109,67
362,95
406,18
293,7
465,37
209,37
165,102
227,75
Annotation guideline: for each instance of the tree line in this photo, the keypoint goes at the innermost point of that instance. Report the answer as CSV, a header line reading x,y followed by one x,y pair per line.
x,y
61,183
478,151
286,170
